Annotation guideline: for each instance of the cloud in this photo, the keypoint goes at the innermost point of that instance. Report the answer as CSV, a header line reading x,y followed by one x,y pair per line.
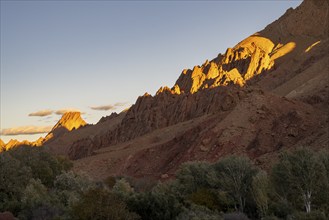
x,y
63,111
41,113
108,107
25,130
103,107
119,104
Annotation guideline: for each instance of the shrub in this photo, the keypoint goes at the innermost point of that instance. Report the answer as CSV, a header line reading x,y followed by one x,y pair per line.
x,y
101,204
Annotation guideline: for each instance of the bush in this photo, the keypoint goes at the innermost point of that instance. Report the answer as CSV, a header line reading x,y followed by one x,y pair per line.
x,y
314,215
204,197
101,204
14,177
235,216
194,175
44,166
235,176
155,205
199,213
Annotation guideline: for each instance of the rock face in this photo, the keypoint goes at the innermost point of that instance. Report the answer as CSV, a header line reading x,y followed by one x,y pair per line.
x,y
12,143
150,113
251,57
2,145
268,124
68,122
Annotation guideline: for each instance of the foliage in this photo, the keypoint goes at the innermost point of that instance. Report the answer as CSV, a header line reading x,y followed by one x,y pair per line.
x,y
110,182
314,215
101,204
194,175
37,202
122,187
260,191
235,175
199,213
157,204
204,197
37,185
69,186
13,180
44,166
299,177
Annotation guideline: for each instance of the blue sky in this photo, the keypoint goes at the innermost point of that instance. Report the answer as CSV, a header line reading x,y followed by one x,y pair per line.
x,y
58,55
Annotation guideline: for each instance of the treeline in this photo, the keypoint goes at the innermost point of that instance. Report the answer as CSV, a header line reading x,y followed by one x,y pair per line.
x,y
37,185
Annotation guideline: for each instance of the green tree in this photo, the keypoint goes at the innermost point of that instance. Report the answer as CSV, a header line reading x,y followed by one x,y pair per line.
x,y
235,175
101,204
260,192
160,204
36,198
299,176
199,213
13,179
194,175
122,187
69,186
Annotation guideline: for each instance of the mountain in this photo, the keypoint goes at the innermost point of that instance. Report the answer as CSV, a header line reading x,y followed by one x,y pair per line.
x,y
68,122
267,94
12,143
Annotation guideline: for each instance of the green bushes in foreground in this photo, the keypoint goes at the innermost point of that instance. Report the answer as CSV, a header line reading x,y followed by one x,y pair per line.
x,y
37,185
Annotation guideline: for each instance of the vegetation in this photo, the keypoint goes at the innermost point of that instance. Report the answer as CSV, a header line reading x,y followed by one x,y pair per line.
x,y
37,185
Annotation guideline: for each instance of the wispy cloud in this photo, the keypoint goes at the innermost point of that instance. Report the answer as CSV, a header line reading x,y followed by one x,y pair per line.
x,y
25,130
63,111
103,107
108,107
41,113
119,104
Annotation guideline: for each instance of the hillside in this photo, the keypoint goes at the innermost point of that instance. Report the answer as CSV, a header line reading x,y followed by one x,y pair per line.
x,y
266,94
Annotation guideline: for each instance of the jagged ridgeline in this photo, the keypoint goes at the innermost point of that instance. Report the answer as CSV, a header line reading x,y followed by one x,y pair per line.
x,y
266,94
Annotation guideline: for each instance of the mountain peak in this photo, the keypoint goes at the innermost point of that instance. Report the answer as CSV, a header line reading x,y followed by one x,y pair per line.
x,y
70,121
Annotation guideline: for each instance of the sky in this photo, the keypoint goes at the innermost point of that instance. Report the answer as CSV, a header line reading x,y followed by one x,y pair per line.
x,y
97,57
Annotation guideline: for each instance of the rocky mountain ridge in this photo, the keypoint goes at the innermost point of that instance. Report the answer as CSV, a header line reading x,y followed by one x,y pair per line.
x,y
209,88
68,122
268,93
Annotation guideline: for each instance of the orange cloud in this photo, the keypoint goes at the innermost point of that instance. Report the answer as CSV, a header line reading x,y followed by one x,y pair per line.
x,y
41,113
25,130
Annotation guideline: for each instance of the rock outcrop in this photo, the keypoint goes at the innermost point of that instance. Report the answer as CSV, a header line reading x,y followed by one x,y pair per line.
x,y
165,109
2,145
69,121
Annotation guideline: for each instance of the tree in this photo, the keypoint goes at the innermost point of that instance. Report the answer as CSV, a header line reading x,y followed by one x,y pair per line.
x,y
37,202
299,175
44,166
160,204
235,175
260,190
69,186
194,175
199,213
122,187
13,179
101,204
